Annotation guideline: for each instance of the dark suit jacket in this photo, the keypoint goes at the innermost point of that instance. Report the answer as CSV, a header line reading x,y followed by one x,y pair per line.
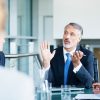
x,y
84,77
2,59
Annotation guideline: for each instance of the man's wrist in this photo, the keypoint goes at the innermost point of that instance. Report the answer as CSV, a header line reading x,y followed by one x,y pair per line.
x,y
46,63
76,64
76,69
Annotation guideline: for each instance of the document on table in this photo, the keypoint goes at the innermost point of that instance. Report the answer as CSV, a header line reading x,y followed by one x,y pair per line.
x,y
88,96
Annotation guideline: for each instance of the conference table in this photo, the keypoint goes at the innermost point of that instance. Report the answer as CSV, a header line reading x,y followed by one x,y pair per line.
x,y
56,93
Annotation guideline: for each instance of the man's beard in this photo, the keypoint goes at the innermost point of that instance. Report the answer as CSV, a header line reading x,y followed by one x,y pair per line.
x,y
67,46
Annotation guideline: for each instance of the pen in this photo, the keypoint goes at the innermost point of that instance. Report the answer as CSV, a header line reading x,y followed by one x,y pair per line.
x,y
84,55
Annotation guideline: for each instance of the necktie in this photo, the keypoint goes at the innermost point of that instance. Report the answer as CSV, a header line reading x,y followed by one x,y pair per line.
x,y
67,64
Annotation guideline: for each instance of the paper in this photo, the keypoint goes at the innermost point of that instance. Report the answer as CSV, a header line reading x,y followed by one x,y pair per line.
x,y
88,96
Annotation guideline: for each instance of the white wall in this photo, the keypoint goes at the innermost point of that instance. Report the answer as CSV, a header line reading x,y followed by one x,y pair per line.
x,y
84,12
45,9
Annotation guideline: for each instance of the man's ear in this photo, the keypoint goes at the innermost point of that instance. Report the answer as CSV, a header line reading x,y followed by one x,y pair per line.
x,y
80,39
80,36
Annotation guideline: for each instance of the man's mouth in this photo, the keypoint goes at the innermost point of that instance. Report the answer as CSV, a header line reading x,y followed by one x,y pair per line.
x,y
66,42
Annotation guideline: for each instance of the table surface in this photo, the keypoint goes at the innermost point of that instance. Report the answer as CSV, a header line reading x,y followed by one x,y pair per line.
x,y
57,95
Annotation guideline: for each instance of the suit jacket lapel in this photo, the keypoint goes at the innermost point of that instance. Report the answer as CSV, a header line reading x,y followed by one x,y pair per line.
x,y
61,64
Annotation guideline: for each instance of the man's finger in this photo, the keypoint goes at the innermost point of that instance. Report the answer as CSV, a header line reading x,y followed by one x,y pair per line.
x,y
77,54
74,57
41,46
45,45
81,54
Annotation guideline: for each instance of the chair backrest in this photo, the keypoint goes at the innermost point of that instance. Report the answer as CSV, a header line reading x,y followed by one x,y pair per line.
x,y
96,70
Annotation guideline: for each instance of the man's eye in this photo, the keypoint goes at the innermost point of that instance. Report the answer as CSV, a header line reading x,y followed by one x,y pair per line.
x,y
72,34
65,32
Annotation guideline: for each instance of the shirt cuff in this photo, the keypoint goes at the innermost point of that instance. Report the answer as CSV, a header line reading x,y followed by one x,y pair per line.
x,y
75,70
43,72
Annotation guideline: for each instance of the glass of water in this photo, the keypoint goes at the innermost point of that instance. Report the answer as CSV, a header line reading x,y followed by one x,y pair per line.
x,y
44,93
65,93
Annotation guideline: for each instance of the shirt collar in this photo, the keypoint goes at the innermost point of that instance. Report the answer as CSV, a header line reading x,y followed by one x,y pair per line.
x,y
71,53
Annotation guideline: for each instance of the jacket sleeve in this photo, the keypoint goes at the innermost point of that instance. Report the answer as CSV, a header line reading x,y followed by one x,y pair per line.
x,y
86,73
51,76
2,59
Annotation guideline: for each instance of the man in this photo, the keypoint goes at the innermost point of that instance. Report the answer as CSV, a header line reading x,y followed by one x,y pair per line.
x,y
70,64
3,14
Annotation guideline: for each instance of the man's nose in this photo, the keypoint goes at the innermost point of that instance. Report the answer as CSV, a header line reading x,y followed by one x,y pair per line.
x,y
67,36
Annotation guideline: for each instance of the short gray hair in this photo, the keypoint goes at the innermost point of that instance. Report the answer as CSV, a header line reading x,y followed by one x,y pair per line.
x,y
76,26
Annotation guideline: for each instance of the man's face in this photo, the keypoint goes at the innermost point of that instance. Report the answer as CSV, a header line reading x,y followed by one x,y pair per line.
x,y
3,14
71,37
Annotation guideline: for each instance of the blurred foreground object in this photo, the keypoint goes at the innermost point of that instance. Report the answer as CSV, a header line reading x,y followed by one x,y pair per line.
x,y
15,86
